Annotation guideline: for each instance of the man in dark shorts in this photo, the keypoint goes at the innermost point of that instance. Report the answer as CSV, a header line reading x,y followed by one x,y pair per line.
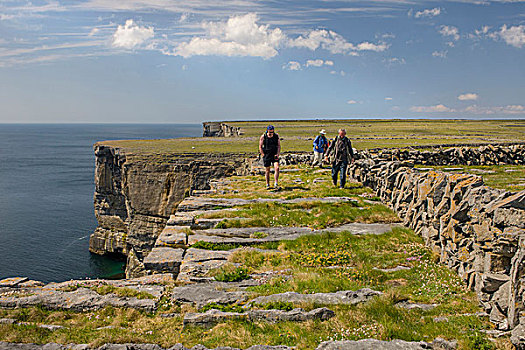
x,y
270,148
341,154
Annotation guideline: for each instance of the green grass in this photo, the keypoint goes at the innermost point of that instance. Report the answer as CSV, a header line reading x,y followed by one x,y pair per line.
x,y
316,215
222,307
379,318
316,263
228,274
297,135
304,182
215,246
104,289
275,305
507,177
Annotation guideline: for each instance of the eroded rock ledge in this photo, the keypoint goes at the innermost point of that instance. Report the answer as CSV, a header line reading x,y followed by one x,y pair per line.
x,y
365,344
135,196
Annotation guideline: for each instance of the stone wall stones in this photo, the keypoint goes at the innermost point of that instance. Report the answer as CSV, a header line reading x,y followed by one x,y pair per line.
x,y
474,229
482,155
433,155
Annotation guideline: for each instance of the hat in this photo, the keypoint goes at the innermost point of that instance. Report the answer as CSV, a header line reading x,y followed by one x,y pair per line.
x,y
323,132
270,127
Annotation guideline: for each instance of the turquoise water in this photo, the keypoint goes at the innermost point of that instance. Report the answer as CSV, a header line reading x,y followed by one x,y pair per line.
x,y
46,196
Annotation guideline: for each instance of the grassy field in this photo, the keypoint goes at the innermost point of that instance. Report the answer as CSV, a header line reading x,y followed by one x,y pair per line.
x,y
353,261
316,263
298,135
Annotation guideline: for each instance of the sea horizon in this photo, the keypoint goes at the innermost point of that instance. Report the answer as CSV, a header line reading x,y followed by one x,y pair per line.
x,y
47,186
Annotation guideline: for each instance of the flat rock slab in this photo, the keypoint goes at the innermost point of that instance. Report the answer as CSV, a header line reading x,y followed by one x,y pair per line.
x,y
341,297
152,284
127,346
202,294
164,259
173,237
187,218
393,269
12,281
212,317
200,255
198,262
419,306
196,203
373,344
246,235
79,300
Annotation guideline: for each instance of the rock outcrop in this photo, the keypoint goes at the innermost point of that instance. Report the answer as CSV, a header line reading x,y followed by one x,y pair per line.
x,y
219,129
135,196
342,297
212,317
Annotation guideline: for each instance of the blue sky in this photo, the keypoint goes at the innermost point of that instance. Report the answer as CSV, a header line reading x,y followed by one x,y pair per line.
x,y
165,61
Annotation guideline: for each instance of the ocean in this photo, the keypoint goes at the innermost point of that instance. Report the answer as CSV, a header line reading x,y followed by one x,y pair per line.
x,y
46,196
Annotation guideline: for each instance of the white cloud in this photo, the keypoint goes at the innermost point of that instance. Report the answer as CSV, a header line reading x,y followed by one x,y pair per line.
x,y
514,36
184,17
292,65
334,43
93,31
386,36
238,36
131,35
428,13
318,63
479,33
366,46
450,31
314,63
352,102
468,97
431,109
5,17
440,54
394,60
509,109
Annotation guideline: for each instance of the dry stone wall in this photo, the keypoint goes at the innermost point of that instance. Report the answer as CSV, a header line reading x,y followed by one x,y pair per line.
x,y
438,155
474,229
482,155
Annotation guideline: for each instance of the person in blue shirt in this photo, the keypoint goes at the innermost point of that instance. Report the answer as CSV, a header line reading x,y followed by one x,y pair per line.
x,y
320,147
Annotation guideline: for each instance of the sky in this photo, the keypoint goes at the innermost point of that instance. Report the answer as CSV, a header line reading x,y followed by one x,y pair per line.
x,y
171,61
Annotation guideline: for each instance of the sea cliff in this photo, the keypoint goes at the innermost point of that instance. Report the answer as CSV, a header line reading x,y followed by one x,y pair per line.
x,y
136,194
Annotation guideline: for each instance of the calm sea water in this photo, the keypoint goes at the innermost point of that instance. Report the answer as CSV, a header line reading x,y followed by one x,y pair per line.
x,y
46,197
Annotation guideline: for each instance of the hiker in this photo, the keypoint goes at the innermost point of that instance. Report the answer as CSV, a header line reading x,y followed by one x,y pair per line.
x,y
320,147
270,148
340,153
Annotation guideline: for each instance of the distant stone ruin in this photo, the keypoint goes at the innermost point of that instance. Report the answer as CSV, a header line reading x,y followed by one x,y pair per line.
x,y
219,129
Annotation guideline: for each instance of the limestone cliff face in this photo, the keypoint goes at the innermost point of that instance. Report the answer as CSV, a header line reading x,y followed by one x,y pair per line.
x,y
135,195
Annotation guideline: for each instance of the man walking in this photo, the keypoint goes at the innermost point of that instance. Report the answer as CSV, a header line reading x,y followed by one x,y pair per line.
x,y
340,153
320,147
270,148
